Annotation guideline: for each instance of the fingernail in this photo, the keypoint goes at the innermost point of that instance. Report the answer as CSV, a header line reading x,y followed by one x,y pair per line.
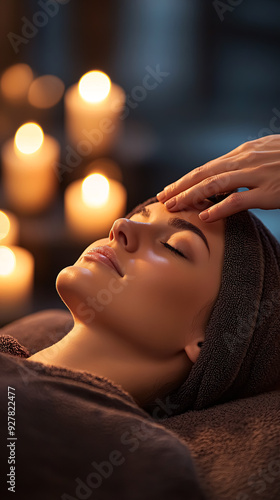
x,y
170,203
204,215
161,196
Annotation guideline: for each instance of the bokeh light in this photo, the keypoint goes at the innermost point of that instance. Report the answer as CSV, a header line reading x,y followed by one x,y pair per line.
x,y
4,225
7,261
15,82
29,138
94,86
95,190
46,91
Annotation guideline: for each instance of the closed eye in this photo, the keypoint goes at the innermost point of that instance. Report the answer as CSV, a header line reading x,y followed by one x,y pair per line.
x,y
172,249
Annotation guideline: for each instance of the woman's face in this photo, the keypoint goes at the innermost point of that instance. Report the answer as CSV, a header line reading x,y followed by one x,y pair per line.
x,y
158,298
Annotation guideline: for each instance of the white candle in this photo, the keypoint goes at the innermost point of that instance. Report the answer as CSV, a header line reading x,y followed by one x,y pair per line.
x,y
9,228
92,110
28,162
92,205
16,282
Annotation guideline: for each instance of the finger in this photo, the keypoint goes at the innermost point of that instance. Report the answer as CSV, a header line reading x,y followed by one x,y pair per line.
x,y
236,202
217,184
195,176
235,160
268,142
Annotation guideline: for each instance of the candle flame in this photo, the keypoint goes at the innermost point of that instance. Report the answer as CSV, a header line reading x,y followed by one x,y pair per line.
x,y
7,261
94,86
4,225
95,190
29,138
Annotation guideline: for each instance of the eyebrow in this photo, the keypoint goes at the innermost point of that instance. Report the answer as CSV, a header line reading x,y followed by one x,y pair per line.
x,y
178,223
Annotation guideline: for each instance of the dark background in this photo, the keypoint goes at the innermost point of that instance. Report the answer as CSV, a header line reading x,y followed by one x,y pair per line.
x,y
222,89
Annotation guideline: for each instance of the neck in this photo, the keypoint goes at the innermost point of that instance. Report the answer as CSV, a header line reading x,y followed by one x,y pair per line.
x,y
103,353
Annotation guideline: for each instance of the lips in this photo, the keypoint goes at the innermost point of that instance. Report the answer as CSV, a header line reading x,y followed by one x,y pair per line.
x,y
106,255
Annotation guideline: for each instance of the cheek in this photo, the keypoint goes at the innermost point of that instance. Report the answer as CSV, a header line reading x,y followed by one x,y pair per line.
x,y
162,297
160,308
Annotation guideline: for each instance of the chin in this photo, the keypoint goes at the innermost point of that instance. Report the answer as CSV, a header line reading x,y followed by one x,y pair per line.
x,y
70,285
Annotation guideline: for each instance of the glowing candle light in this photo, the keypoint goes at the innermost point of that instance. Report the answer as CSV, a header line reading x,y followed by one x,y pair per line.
x,y
92,205
92,109
9,228
94,86
28,139
29,176
16,282
4,225
45,91
95,190
15,82
7,261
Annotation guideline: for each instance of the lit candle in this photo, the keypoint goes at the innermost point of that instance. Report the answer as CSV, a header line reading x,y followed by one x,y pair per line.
x,y
28,162
16,282
9,228
92,205
92,110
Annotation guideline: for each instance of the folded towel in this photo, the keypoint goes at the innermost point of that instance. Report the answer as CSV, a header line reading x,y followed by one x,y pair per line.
x,y
10,345
40,330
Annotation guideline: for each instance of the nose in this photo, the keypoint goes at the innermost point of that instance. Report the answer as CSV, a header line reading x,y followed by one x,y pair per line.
x,y
124,231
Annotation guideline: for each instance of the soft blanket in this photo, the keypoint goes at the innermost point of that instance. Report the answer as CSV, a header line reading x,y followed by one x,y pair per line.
x,y
70,435
236,447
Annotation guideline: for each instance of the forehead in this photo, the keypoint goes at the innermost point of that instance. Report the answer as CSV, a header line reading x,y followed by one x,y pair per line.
x,y
159,213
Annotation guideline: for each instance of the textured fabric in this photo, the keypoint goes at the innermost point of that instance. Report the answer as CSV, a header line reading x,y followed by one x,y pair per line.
x,y
235,446
81,436
40,330
10,345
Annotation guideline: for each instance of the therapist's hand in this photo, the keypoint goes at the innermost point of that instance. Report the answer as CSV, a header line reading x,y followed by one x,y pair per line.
x,y
254,165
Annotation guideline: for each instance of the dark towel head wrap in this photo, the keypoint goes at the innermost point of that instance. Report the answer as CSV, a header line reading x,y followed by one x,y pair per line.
x,y
240,356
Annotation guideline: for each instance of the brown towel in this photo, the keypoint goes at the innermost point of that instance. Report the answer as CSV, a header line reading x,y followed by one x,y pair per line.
x,y
41,329
9,345
75,435
235,446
